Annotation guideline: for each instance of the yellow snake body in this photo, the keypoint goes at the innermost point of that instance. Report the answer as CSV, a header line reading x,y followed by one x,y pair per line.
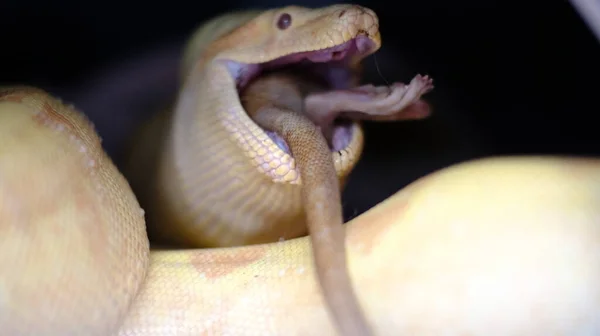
x,y
502,246
219,179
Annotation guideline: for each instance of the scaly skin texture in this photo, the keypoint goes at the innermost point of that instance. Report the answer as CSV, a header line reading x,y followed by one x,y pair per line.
x,y
504,246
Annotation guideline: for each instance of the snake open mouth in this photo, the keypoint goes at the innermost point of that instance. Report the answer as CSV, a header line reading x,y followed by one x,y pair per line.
x,y
331,67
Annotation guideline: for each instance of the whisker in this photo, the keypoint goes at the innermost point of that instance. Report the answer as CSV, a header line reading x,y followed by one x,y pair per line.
x,y
379,71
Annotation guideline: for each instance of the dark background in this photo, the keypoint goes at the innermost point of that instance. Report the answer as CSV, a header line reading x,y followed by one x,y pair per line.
x,y
511,77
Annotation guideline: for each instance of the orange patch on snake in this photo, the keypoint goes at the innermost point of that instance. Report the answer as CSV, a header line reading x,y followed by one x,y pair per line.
x,y
46,111
84,201
49,114
379,222
220,264
12,96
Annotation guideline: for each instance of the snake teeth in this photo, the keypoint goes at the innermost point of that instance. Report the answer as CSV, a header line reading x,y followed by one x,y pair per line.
x,y
331,63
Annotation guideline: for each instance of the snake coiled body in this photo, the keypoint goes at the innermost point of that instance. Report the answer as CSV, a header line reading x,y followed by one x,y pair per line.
x,y
502,246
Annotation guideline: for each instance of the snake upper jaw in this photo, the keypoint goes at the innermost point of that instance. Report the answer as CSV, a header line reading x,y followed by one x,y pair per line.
x,y
336,64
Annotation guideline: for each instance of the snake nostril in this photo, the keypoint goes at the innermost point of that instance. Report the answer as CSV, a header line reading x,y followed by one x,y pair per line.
x,y
342,13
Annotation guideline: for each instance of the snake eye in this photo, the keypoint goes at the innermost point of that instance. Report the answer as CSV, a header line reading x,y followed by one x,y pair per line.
x,y
284,21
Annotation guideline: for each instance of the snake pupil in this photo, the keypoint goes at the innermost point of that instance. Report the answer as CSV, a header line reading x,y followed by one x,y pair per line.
x,y
284,21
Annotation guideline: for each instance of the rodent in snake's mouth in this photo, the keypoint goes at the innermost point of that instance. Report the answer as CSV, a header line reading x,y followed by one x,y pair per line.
x,y
330,66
